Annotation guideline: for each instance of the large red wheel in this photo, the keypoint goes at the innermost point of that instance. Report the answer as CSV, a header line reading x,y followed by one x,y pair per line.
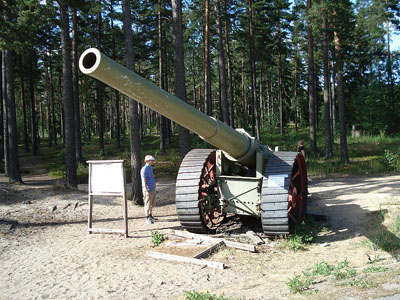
x,y
208,193
196,189
297,199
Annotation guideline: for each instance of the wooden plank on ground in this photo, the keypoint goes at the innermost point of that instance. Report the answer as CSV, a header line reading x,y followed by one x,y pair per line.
x,y
171,257
207,251
105,230
228,243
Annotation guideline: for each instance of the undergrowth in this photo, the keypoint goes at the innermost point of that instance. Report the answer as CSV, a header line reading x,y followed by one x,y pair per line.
x,y
341,274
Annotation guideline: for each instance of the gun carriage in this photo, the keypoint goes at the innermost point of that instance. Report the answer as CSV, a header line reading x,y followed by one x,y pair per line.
x,y
242,176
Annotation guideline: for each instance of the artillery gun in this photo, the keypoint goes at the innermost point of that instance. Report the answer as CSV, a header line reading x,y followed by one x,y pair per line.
x,y
242,176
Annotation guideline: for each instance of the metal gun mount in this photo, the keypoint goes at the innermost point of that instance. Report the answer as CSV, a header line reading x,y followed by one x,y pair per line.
x,y
242,176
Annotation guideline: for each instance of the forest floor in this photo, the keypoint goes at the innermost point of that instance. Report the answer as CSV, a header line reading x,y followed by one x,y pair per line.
x,y
46,252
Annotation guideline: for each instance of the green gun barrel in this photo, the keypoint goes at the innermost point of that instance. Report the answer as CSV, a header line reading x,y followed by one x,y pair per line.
x,y
237,144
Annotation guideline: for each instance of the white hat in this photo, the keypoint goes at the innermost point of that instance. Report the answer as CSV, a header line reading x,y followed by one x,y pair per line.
x,y
149,157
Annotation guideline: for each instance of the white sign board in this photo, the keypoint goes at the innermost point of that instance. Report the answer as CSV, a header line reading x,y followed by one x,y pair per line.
x,y
106,178
275,181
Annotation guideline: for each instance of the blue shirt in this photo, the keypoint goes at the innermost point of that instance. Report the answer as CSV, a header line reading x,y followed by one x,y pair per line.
x,y
148,182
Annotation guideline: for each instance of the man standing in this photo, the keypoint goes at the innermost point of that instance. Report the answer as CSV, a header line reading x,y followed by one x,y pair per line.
x,y
149,188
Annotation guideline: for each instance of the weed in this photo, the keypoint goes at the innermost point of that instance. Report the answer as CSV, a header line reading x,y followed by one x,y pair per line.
x,y
303,234
299,284
323,269
375,269
344,271
396,225
205,296
361,283
377,258
324,229
389,160
387,241
156,238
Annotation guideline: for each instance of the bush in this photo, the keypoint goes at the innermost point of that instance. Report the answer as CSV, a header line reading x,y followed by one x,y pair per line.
x,y
299,284
390,160
156,238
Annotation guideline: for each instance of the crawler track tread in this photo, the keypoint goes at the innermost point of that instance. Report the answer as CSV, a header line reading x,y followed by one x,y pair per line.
x,y
187,190
274,195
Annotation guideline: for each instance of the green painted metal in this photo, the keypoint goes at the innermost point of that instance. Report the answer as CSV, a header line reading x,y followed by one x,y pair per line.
x,y
237,144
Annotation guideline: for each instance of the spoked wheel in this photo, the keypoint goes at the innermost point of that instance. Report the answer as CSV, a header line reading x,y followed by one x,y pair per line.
x,y
208,192
195,188
297,198
284,193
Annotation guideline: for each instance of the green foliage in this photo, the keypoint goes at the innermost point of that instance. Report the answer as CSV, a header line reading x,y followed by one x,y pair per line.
x,y
344,271
390,160
361,283
375,269
156,238
299,284
205,296
375,259
303,234
322,269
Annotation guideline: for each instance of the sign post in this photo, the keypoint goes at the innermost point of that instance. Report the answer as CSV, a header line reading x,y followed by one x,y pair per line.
x,y
107,178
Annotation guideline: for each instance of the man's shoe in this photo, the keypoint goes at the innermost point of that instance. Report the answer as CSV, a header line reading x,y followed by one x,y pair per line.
x,y
152,218
148,220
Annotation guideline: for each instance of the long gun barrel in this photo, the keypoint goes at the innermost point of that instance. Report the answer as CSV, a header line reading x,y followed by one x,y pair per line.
x,y
237,144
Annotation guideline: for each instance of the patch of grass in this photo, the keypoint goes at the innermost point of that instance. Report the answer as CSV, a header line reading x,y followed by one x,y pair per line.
x,y
375,259
157,238
344,271
396,225
206,296
299,283
303,234
322,269
387,241
375,269
361,283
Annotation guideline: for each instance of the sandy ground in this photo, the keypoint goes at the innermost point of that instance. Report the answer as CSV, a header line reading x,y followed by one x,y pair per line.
x,y
46,252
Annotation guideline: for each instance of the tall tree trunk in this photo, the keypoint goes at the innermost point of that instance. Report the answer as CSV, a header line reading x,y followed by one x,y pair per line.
x,y
393,117
207,75
311,85
221,65
296,108
254,121
53,104
229,66
137,196
244,96
13,160
117,96
1,108
179,63
161,70
34,133
48,100
23,99
327,111
67,92
100,113
4,113
75,80
280,98
344,156
333,100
